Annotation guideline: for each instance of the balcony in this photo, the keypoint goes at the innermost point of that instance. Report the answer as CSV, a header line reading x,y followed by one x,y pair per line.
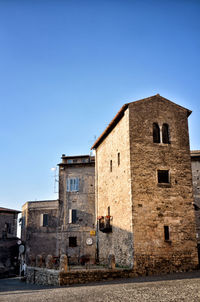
x,y
104,224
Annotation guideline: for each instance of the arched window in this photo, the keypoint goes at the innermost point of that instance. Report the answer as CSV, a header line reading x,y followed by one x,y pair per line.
x,y
156,133
165,134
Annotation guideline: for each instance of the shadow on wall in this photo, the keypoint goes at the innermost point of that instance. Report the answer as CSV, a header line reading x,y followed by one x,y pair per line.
x,y
157,256
9,252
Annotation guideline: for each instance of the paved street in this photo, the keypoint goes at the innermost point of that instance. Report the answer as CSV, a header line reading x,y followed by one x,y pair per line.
x,y
177,287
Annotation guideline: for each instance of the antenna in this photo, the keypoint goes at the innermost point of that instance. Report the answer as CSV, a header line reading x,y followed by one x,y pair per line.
x,y
54,169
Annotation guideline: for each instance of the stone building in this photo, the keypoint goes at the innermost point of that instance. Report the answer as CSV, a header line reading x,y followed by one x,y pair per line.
x,y
8,223
143,187
195,158
77,207
39,228
8,242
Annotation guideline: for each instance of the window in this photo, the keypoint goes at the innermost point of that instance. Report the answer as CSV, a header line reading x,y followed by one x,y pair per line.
x,y
111,166
72,184
156,133
44,220
23,221
72,216
165,134
118,158
8,228
72,241
69,161
166,232
163,176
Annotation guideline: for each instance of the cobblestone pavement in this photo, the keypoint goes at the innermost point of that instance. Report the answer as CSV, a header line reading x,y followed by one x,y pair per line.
x,y
177,287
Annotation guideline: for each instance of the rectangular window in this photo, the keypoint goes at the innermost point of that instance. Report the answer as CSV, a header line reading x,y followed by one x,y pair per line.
x,y
44,220
8,227
166,232
118,159
163,176
72,216
23,221
72,241
73,184
111,166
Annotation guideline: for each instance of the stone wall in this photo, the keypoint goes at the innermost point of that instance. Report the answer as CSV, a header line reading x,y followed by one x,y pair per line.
x,y
9,253
40,239
81,277
113,189
9,218
83,201
43,276
195,158
141,208
158,205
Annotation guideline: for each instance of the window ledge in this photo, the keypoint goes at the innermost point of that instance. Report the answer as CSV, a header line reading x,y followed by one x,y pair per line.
x,y
168,241
164,185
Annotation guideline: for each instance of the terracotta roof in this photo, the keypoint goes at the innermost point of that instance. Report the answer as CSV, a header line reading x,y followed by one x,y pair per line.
x,y
120,114
9,210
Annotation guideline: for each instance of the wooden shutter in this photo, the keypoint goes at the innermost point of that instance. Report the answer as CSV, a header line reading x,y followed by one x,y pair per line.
x,y
77,184
70,215
68,184
73,216
45,219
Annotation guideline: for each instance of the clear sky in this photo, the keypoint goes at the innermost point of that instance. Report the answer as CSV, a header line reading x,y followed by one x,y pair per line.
x,y
66,68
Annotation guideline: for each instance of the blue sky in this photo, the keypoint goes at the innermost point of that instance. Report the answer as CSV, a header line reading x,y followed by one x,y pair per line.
x,y
66,68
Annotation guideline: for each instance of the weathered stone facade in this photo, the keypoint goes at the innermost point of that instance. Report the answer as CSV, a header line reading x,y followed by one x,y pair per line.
x,y
8,223
40,228
195,158
77,208
144,188
9,248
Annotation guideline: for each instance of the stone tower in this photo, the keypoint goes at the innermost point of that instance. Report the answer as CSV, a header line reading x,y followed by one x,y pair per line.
x,y
143,188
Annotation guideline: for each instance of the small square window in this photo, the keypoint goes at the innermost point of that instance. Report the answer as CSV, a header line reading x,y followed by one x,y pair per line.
x,y
72,241
163,176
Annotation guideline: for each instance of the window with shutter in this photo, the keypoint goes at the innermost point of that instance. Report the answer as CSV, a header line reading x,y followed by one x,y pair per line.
x,y
72,216
45,219
68,184
72,184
